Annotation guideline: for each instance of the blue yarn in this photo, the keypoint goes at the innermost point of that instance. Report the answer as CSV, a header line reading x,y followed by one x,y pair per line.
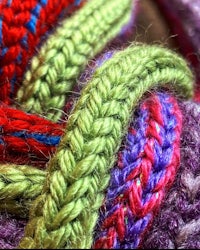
x,y
44,139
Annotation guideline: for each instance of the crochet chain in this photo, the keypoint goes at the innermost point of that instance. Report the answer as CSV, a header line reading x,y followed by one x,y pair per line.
x,y
60,61
65,214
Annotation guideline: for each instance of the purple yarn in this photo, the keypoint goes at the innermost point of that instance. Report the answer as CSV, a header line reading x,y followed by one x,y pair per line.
x,y
189,12
177,225
11,231
134,156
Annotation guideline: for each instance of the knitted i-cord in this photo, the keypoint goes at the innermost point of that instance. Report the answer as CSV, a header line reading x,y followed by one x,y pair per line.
x,y
27,138
60,61
13,187
146,168
24,25
177,226
19,185
65,215
164,229
30,139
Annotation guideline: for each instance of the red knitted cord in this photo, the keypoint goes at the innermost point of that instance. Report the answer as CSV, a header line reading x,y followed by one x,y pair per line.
x,y
26,138
23,26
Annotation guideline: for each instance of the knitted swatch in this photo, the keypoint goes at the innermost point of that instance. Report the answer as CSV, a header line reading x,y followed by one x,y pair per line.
x,y
177,226
78,174
146,168
24,25
61,60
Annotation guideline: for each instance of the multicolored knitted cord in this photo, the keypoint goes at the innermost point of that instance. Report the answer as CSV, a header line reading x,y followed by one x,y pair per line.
x,y
177,226
65,215
26,138
24,25
146,168
167,224
30,139
61,60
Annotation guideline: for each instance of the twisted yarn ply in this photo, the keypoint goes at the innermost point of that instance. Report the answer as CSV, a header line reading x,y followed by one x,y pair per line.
x,y
24,25
78,174
30,139
162,234
60,61
27,138
98,172
177,226
146,168
19,185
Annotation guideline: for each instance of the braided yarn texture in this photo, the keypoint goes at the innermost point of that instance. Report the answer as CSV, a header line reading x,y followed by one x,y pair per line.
x,y
27,138
65,215
177,226
146,168
62,58
24,25
19,185
161,236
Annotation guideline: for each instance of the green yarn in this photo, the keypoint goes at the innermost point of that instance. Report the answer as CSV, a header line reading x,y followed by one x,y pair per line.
x,y
65,215
19,185
60,61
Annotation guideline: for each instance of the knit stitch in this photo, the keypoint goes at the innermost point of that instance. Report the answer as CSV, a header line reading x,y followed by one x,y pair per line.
x,y
60,61
24,25
177,226
19,185
161,235
146,168
78,174
26,138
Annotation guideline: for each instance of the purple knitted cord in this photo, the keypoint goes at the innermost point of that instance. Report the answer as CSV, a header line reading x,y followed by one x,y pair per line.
x,y
11,231
177,225
179,217
146,168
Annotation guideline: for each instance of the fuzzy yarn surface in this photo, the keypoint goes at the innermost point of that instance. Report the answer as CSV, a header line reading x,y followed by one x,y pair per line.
x,y
97,171
24,26
146,168
67,211
174,226
177,225
61,60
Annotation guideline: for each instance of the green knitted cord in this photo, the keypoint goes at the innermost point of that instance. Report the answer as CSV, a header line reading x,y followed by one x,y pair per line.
x,y
60,61
19,185
64,216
